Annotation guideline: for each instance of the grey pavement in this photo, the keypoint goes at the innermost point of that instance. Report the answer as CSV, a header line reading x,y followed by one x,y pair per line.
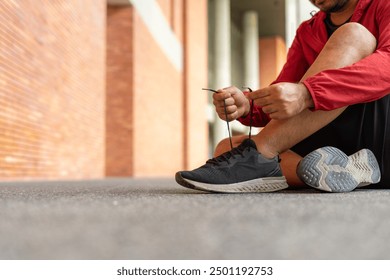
x,y
124,218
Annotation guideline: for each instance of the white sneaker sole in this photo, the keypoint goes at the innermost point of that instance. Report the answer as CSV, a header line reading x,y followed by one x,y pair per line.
x,y
269,184
331,170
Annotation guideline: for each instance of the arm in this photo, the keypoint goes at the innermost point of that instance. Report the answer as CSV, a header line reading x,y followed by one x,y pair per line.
x,y
364,81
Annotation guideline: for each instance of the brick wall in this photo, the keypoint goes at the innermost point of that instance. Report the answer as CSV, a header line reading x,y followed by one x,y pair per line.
x,y
62,115
119,91
158,108
157,121
52,84
196,52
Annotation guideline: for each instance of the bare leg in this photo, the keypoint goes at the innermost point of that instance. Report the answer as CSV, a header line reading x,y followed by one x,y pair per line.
x,y
349,44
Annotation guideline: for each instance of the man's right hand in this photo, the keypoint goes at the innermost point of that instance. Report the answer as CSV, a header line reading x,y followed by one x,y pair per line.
x,y
237,104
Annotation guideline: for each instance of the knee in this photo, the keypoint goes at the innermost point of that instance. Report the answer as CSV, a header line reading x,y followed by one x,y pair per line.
x,y
357,36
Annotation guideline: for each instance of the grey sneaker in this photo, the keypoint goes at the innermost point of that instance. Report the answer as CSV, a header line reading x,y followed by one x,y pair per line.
x,y
331,170
241,170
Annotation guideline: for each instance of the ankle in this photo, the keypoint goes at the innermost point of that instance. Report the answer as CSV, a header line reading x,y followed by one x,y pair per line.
x,y
266,151
264,147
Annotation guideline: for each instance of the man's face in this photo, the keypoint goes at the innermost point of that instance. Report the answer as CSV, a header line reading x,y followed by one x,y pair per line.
x,y
330,6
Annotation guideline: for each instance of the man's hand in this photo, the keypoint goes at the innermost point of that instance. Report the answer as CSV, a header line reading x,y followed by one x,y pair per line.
x,y
283,100
237,104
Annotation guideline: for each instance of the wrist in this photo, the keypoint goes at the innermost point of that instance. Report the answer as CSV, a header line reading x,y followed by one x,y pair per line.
x,y
308,100
247,106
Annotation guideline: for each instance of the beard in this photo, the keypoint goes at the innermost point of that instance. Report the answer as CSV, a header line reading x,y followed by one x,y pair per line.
x,y
332,7
339,6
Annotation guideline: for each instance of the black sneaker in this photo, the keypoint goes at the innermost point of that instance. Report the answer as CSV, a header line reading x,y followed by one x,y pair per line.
x,y
329,169
243,169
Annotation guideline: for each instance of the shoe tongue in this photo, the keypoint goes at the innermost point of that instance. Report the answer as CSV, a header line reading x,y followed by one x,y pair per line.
x,y
249,143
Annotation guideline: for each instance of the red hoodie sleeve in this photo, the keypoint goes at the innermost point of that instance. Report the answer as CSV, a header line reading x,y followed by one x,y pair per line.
x,y
259,118
364,81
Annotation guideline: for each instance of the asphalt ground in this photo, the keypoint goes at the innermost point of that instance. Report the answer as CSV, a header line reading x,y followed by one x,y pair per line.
x,y
125,218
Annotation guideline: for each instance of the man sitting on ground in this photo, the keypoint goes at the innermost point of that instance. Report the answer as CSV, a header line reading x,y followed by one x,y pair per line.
x,y
329,101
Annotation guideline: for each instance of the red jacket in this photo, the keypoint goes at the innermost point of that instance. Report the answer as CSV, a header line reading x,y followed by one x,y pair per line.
x,y
362,82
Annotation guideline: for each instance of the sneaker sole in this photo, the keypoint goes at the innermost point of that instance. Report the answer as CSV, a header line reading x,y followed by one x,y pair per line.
x,y
270,184
331,170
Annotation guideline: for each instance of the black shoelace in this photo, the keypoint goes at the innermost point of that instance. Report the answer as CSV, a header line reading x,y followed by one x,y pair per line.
x,y
226,116
225,157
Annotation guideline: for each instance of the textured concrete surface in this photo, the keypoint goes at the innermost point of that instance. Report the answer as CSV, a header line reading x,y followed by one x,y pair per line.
x,y
157,219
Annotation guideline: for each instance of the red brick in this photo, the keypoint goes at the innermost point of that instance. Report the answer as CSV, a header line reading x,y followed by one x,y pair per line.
x,y
119,90
52,89
76,102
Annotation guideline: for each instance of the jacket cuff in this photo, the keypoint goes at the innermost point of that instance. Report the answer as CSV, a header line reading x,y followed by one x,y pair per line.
x,y
311,91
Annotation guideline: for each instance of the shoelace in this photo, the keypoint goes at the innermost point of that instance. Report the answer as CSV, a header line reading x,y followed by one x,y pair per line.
x,y
250,115
225,157
233,151
226,116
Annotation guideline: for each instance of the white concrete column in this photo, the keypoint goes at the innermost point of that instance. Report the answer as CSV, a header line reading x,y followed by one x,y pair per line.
x,y
296,11
251,54
222,59
251,50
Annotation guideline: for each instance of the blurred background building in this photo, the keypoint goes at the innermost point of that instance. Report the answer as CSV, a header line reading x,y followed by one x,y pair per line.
x,y
101,88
